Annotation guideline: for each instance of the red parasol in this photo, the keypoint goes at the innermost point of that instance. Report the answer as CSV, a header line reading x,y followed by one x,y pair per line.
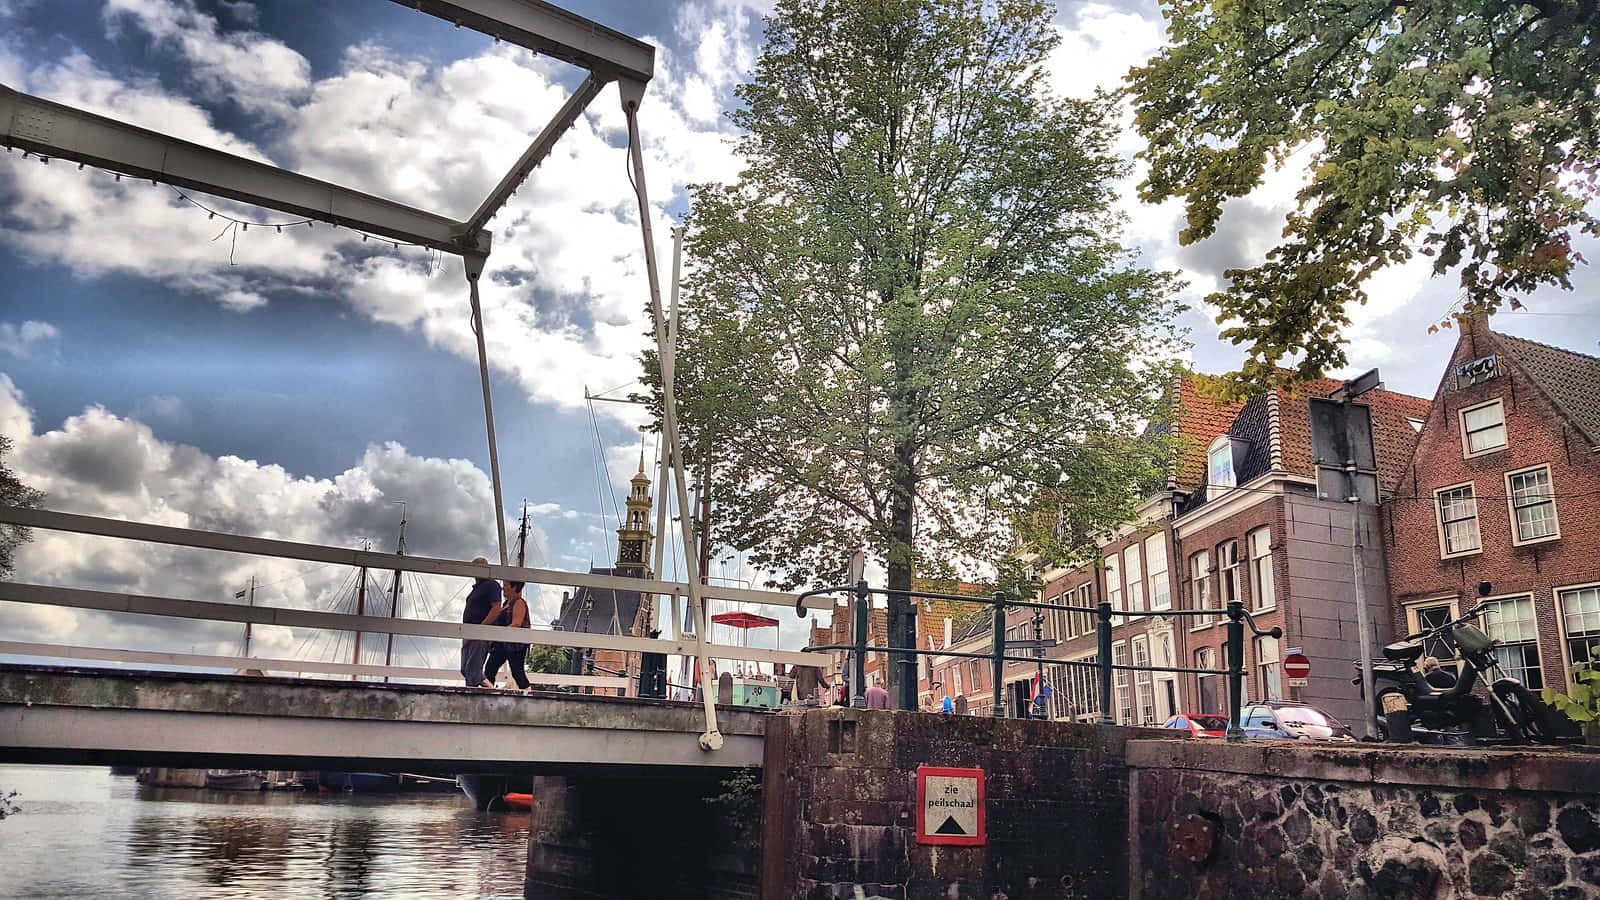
x,y
744,620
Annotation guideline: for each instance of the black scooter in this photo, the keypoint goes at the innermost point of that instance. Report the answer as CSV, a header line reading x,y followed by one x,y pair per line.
x,y
1411,710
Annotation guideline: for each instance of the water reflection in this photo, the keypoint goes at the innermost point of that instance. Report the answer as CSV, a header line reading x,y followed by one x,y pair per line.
x,y
83,832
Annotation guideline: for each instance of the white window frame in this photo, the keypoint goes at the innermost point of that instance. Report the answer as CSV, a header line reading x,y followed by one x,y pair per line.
x,y
1133,574
1227,572
1561,624
1215,489
1414,625
1113,571
1269,670
1533,617
1159,598
1461,422
1200,587
1256,564
1206,657
1438,520
1121,684
1089,622
1144,685
1517,539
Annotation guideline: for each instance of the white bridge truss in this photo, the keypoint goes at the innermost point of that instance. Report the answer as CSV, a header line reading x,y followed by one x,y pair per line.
x,y
107,601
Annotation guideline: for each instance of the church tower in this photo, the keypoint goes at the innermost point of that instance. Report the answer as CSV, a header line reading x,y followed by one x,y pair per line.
x,y
634,537
633,559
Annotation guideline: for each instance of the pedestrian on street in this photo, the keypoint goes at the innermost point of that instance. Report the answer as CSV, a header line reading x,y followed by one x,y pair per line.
x,y
877,697
515,615
482,608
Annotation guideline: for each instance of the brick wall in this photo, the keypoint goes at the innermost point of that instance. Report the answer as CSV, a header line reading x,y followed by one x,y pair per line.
x,y
1536,435
840,792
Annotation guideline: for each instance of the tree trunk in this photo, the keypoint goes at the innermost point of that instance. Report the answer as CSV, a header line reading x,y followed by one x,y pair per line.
x,y
902,611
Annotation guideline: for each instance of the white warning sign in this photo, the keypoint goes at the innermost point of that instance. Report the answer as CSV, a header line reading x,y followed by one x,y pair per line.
x,y
950,806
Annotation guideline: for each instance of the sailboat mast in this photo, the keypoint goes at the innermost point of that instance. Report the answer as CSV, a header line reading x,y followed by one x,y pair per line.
x,y
252,602
361,610
522,538
394,589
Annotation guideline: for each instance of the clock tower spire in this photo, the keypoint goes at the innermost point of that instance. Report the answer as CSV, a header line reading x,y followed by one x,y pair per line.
x,y
634,537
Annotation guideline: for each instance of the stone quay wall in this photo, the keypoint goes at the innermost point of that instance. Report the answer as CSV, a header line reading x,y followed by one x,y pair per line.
x,y
1212,820
839,790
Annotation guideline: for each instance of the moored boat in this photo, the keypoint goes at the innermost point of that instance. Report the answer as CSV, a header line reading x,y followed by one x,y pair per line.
x,y
235,780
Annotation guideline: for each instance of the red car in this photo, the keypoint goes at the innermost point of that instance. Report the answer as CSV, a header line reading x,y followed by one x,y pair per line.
x,y
1200,725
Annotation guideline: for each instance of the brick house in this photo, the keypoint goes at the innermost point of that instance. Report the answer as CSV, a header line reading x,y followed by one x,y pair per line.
x,y
1243,517
936,623
1504,489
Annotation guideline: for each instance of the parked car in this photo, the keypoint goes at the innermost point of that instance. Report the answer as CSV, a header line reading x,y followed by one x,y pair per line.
x,y
1284,720
1199,725
1211,725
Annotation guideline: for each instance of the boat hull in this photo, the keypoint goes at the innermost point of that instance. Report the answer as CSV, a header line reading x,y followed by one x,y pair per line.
x,y
235,781
487,792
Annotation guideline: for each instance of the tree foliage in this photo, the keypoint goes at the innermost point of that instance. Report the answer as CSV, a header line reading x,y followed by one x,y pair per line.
x,y
1465,130
12,493
911,318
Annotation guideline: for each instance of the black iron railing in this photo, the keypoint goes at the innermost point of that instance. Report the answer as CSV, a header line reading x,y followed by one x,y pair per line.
x,y
1237,616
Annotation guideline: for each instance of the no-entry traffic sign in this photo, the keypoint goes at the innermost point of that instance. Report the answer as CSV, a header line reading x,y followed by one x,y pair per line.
x,y
1297,668
950,806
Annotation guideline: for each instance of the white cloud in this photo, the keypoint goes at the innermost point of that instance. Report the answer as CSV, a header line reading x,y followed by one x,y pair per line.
x,y
98,463
258,72
565,295
23,341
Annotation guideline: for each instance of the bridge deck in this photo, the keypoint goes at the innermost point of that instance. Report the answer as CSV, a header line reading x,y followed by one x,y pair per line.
x,y
56,714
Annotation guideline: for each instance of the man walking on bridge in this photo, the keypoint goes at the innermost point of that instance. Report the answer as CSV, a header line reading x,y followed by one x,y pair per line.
x,y
483,608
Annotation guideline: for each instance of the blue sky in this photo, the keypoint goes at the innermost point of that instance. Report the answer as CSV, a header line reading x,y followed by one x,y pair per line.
x,y
300,389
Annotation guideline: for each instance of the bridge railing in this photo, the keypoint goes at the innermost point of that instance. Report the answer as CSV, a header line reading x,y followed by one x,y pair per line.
x,y
1238,617
108,601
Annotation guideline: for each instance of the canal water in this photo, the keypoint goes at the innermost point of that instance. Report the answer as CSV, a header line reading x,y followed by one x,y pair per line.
x,y
83,832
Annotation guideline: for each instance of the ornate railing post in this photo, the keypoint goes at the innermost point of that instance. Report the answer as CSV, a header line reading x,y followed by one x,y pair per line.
x,y
1103,629
999,707
1235,668
863,606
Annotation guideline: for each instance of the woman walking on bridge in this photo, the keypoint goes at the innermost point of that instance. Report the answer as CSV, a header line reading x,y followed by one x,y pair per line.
x,y
516,616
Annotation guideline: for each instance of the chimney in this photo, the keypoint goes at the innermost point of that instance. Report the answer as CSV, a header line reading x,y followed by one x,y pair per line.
x,y
1473,320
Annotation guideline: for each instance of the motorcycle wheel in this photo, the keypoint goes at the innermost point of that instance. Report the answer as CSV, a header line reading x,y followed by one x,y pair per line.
x,y
1531,720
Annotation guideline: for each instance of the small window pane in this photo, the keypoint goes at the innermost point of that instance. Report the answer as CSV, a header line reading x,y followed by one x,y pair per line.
x,y
1580,613
1458,518
1511,622
1485,427
1534,504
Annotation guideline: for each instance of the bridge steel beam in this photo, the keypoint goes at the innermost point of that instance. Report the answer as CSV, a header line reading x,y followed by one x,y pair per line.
x,y
97,717
551,30
57,131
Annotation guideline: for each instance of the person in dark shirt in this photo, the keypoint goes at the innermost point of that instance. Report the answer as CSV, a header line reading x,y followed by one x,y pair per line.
x,y
514,655
482,608
1438,676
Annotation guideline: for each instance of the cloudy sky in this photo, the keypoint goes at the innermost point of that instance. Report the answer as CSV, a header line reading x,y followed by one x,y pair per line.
x,y
158,367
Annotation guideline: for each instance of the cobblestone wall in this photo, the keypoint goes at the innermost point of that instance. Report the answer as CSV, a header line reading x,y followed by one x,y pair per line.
x,y
1363,823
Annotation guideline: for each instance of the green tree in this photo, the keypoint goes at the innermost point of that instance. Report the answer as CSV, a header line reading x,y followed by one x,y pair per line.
x,y
912,314
548,660
12,493
1465,130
